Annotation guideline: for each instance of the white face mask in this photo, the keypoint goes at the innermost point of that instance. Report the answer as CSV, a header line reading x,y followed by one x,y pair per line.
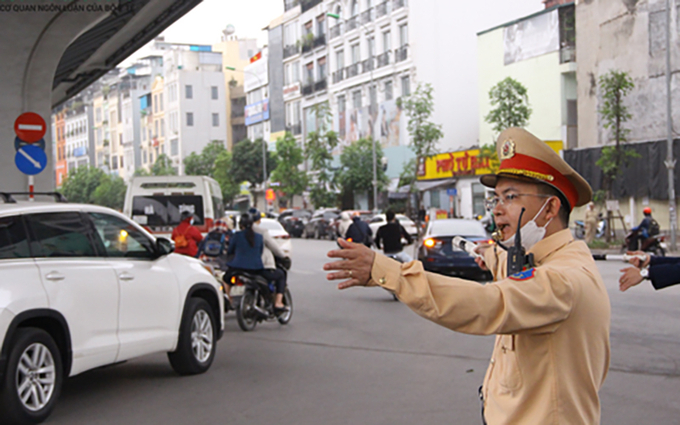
x,y
530,232
191,221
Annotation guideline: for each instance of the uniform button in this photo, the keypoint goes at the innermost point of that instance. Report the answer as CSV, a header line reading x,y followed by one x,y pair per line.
x,y
493,361
382,280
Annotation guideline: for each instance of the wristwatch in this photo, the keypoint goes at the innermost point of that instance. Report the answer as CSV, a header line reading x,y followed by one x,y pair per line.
x,y
644,273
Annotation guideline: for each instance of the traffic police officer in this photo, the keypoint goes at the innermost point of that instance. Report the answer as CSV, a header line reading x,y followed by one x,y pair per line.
x,y
551,319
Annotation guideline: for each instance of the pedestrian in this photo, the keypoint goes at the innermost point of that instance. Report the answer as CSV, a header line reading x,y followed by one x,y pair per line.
x,y
661,271
359,232
390,235
591,222
345,222
186,235
551,319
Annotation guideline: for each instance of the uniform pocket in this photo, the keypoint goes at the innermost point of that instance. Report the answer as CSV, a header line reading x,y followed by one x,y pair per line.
x,y
509,373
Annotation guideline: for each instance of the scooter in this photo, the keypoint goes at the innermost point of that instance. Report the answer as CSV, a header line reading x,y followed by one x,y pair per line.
x,y
654,244
253,298
580,228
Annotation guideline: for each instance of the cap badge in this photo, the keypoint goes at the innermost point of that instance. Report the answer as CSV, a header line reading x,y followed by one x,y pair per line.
x,y
507,149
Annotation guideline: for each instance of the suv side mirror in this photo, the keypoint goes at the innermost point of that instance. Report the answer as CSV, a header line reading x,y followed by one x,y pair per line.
x,y
164,246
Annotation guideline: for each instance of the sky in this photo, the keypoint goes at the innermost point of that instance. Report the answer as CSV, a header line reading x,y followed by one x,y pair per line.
x,y
205,22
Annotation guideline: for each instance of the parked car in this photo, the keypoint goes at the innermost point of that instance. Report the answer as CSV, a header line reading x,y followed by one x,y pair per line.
x,y
408,224
83,287
279,233
320,226
438,255
294,221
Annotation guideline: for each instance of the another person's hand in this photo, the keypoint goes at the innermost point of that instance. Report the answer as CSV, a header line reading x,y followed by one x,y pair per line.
x,y
481,250
355,267
631,277
636,261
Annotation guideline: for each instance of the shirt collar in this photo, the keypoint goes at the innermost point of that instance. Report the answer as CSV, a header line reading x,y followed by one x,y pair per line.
x,y
552,243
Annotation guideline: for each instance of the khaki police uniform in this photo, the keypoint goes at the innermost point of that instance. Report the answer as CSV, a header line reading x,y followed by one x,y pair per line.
x,y
552,321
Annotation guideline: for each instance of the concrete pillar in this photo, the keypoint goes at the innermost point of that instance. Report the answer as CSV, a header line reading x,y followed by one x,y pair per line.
x,y
31,46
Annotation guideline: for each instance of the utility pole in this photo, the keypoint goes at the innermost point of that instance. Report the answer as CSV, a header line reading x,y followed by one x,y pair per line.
x,y
670,160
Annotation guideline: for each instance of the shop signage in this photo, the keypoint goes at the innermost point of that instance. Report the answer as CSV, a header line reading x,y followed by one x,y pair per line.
x,y
257,112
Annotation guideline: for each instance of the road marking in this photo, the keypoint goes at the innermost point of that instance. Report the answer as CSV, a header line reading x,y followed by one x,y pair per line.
x,y
35,163
303,271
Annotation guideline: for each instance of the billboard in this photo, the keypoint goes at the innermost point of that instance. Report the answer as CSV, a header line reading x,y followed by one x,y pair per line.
x,y
257,112
387,124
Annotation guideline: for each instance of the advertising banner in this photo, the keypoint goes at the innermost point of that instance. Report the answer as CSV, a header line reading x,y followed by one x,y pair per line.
x,y
257,112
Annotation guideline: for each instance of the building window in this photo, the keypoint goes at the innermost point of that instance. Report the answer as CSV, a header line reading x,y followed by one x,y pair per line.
x,y
339,60
356,99
373,97
213,93
355,8
388,90
406,86
121,162
341,104
387,41
155,104
478,197
356,55
155,134
190,119
162,127
320,25
321,68
188,92
114,162
310,72
160,98
174,147
216,120
145,158
371,47
286,75
403,35
435,200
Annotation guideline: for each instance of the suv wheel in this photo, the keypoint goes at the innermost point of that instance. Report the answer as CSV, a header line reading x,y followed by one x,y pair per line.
x,y
33,378
197,342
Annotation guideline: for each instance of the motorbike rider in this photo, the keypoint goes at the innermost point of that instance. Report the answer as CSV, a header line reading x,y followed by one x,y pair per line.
x,y
186,236
359,231
390,235
213,248
271,250
643,230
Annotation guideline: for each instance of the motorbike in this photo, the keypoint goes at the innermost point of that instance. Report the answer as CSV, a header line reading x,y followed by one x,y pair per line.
x,y
580,228
653,244
253,299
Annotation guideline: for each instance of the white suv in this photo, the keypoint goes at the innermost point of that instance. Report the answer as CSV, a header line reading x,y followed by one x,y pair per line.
x,y
83,286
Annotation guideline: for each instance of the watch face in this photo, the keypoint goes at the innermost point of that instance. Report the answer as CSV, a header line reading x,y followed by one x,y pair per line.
x,y
644,273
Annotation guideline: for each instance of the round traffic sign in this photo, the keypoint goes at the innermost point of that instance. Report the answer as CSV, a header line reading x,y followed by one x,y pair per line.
x,y
30,127
30,160
18,143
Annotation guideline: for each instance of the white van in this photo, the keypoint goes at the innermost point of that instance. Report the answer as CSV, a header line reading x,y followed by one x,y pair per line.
x,y
156,202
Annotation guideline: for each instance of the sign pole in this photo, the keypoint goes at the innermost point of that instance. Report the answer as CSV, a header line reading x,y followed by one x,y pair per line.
x,y
31,183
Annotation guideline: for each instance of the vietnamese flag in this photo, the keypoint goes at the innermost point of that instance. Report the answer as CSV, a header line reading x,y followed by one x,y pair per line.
x,y
256,57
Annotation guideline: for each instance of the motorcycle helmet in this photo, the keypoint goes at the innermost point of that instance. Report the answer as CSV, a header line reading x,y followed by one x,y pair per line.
x,y
647,211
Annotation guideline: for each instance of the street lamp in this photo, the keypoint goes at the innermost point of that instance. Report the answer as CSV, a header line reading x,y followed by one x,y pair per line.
x,y
264,150
375,166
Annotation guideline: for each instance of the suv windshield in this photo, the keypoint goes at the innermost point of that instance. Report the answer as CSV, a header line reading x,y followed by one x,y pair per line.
x,y
159,210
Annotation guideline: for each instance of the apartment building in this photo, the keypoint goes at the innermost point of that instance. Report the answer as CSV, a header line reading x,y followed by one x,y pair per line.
x,y
292,77
59,137
256,88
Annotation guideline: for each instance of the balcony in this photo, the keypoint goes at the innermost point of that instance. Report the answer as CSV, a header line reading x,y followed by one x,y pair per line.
x,y
320,41
567,54
291,50
308,4
352,23
321,85
398,4
383,59
367,16
367,65
307,46
238,113
401,54
352,70
289,4
295,129
338,75
336,31
382,9
308,89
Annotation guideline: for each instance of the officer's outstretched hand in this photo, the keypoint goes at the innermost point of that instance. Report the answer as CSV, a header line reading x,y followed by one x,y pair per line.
x,y
631,277
355,267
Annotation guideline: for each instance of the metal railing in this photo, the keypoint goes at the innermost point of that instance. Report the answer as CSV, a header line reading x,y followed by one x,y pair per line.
x,y
367,16
397,4
308,89
335,31
321,85
367,65
289,4
401,54
352,23
352,70
338,75
291,50
307,47
294,129
320,41
383,59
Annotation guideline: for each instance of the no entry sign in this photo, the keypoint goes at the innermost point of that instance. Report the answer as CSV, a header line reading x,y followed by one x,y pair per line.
x,y
30,127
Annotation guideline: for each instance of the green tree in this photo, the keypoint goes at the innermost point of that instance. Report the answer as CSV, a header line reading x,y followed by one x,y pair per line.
x,y
92,186
203,164
247,161
356,174
510,105
287,173
424,133
318,151
615,86
141,172
222,173
163,166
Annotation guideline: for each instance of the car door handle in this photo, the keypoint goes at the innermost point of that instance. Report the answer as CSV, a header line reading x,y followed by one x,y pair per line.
x,y
54,276
125,276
